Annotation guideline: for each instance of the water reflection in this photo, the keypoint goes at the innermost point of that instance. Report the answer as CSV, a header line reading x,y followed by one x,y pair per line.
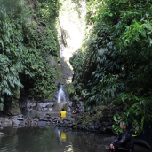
x,y
63,137
69,148
51,139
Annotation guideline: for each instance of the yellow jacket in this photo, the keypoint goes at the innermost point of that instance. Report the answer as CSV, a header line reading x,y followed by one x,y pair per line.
x,y
63,114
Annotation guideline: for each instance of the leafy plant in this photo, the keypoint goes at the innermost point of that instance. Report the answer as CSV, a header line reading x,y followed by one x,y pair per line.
x,y
116,66
27,45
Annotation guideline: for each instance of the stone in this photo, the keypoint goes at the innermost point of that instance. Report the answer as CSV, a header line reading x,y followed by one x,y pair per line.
x,y
16,122
20,117
41,123
22,123
1,133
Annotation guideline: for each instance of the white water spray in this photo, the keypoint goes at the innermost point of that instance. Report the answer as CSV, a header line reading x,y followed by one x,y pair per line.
x,y
61,95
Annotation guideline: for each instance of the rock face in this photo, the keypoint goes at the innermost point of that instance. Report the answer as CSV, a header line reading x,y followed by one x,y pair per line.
x,y
59,106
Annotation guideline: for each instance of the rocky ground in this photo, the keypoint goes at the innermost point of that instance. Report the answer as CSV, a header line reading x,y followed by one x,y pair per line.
x,y
99,120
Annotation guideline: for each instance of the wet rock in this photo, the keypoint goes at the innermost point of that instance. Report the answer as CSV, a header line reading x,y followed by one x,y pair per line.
x,y
41,118
41,123
14,117
48,123
1,133
6,122
50,105
70,125
16,122
20,117
36,120
47,115
23,123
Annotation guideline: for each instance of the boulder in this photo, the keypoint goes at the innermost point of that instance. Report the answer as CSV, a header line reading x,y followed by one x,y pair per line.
x,y
59,106
15,122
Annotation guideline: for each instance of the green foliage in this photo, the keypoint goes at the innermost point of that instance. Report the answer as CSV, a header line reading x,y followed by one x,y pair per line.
x,y
48,10
136,107
116,128
116,66
43,46
1,106
10,51
27,44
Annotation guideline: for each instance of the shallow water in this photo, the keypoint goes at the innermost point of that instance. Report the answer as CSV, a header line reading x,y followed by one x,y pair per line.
x,y
52,139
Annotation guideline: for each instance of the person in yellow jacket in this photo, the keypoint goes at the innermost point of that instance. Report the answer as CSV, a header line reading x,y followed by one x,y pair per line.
x,y
63,113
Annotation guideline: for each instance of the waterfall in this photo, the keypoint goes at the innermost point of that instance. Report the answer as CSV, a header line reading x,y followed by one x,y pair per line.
x,y
72,34
61,95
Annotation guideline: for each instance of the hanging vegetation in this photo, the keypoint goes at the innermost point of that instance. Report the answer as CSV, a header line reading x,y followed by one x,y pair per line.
x,y
116,69
28,41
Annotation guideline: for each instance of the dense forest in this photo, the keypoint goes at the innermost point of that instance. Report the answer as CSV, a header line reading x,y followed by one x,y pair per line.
x,y
113,67
28,42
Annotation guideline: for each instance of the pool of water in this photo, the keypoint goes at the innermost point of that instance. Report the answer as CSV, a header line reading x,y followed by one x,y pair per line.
x,y
53,139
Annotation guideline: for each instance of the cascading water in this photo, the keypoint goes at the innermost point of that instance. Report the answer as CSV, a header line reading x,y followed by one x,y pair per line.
x,y
62,100
72,27
61,95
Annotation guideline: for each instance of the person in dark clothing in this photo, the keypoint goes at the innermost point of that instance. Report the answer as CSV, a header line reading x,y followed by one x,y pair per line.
x,y
76,111
123,141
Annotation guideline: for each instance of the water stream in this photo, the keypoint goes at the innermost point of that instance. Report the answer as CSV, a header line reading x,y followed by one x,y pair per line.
x,y
53,139
61,95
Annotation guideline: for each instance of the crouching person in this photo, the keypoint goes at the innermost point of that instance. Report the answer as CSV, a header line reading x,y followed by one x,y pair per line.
x,y
63,113
123,141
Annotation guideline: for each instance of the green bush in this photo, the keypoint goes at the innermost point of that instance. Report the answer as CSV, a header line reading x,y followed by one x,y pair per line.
x,y
28,40
116,67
